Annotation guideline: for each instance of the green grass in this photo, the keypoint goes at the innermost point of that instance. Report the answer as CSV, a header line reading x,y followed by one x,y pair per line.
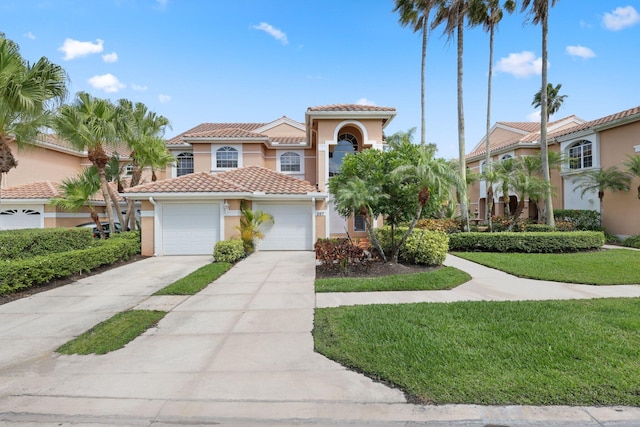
x,y
443,278
113,333
584,352
196,281
607,267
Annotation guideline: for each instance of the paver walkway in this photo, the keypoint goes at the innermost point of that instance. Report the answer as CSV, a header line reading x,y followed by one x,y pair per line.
x,y
240,352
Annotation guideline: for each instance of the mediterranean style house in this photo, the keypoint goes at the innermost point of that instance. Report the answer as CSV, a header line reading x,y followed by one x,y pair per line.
x,y
585,145
281,167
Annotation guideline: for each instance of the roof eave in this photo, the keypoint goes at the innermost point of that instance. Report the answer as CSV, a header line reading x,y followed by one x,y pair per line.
x,y
385,115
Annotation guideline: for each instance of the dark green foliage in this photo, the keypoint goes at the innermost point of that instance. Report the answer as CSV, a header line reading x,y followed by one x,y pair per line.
x,y
23,273
539,227
198,280
422,246
339,254
18,244
532,242
447,225
632,242
229,251
581,219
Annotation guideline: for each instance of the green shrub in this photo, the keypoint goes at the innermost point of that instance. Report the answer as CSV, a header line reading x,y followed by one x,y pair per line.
x,y
539,227
421,247
581,219
632,242
531,242
229,251
339,254
30,242
447,225
565,226
23,273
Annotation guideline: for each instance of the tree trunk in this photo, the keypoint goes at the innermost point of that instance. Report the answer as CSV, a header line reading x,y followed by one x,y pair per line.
x,y
464,210
490,206
372,235
136,177
107,198
114,200
544,117
423,130
487,156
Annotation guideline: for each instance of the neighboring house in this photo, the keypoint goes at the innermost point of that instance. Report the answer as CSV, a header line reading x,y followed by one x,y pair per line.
x,y
27,188
281,167
585,145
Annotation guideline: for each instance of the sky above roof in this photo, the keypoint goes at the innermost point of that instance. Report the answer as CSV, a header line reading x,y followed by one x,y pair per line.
x,y
257,60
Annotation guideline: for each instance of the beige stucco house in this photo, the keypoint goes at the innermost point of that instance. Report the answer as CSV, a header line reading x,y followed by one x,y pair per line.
x,y
585,145
281,167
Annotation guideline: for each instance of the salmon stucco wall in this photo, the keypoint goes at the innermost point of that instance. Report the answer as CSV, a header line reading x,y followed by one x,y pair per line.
x,y
43,165
147,225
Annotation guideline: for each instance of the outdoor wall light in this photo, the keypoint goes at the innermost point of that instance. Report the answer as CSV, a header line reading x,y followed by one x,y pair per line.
x,y
226,207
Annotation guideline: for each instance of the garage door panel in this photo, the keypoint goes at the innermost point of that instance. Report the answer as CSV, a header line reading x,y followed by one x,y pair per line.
x,y
18,217
291,228
190,229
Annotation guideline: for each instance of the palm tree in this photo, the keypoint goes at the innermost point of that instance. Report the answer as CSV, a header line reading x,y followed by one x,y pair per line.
x,y
633,168
610,179
488,13
539,14
532,166
415,13
89,124
452,14
491,177
28,92
432,176
142,130
526,187
249,228
506,170
554,99
77,194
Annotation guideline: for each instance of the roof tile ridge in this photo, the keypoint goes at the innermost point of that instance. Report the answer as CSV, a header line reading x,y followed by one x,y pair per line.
x,y
219,177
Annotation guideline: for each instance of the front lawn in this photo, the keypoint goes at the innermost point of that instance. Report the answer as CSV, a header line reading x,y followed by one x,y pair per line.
x,y
442,278
584,352
605,267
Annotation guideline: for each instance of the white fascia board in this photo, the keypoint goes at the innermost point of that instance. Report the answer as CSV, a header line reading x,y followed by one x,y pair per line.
x,y
575,135
275,197
389,115
187,195
280,121
509,128
180,146
227,139
616,123
23,201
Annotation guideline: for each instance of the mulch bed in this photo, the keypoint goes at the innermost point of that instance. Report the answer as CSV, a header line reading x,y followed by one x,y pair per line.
x,y
61,282
373,269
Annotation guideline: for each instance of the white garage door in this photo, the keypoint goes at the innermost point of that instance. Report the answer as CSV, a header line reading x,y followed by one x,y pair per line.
x,y
15,217
190,229
291,228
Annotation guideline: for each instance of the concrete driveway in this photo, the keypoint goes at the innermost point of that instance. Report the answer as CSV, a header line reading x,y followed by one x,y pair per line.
x,y
240,352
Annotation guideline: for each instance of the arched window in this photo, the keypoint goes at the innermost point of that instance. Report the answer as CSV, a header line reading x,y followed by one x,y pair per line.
x,y
184,164
290,162
347,143
226,157
506,156
580,155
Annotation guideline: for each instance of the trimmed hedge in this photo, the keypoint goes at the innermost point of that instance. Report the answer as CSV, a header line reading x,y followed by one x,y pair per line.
x,y
421,247
582,219
531,242
632,242
539,227
20,274
229,251
30,242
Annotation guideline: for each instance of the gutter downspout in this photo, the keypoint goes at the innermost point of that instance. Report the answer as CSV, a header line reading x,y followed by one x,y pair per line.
x,y
314,220
156,222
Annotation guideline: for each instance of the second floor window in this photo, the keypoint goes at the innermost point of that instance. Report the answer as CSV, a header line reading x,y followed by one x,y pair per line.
x,y
581,155
290,162
184,164
226,157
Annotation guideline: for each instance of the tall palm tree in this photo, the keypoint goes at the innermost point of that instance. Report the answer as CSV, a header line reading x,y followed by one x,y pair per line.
x,y
142,130
539,14
77,192
491,177
609,179
526,187
28,93
633,168
415,13
554,99
90,124
488,13
452,13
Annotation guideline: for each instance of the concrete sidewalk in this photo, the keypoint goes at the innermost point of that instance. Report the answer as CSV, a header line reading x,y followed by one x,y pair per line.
x,y
240,352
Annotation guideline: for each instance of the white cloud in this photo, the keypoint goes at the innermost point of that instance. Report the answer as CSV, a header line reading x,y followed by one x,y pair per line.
x,y
164,99
621,17
365,101
523,64
534,116
76,49
581,51
30,36
110,57
139,88
273,32
106,82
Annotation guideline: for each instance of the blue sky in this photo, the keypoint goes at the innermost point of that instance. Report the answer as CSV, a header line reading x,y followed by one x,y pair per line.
x,y
197,61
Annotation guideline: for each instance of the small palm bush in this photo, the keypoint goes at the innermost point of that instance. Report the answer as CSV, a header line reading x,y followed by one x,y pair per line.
x,y
249,227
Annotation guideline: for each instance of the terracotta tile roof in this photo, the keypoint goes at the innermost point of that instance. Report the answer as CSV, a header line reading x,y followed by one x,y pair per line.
x,y
33,190
597,122
249,179
523,126
295,140
209,127
350,107
224,133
